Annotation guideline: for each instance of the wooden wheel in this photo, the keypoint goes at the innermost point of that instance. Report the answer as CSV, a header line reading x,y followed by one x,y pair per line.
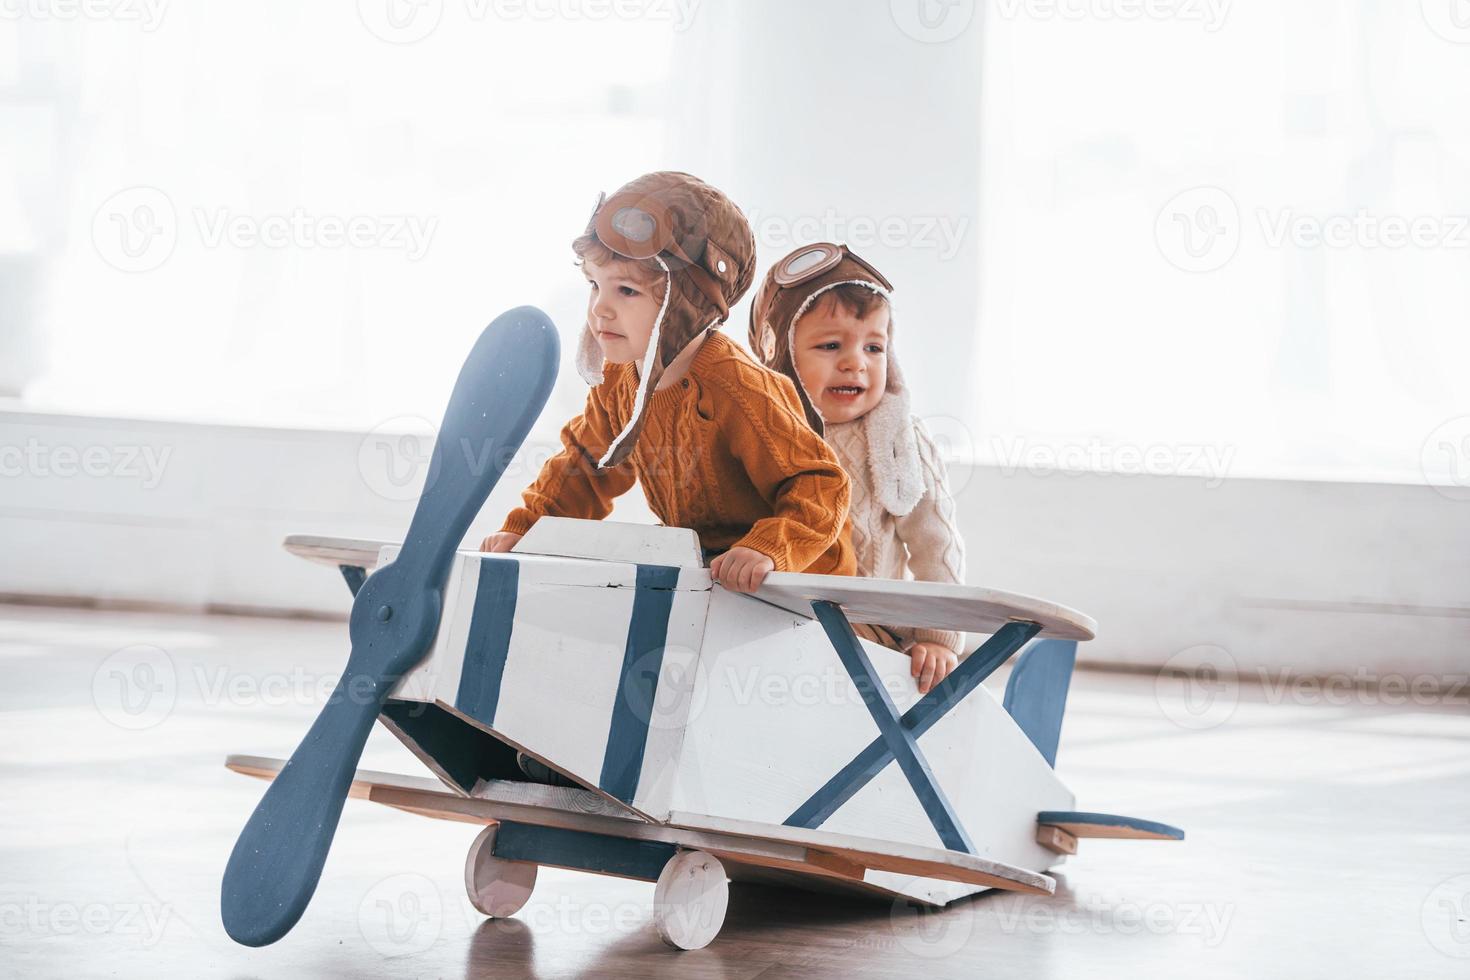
x,y
690,899
496,887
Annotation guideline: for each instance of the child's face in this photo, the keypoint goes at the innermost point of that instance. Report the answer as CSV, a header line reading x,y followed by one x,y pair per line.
x,y
842,360
621,307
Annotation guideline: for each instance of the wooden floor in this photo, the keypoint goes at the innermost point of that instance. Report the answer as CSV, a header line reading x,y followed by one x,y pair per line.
x,y
1325,840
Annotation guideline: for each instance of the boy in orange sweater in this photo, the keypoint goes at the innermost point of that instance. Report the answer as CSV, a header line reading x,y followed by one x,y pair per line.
x,y
718,442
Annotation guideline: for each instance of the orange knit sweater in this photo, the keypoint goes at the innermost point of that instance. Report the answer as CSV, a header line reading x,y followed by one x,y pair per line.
x,y
726,451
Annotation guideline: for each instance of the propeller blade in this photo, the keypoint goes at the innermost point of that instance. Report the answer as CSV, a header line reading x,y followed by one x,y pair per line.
x,y
278,858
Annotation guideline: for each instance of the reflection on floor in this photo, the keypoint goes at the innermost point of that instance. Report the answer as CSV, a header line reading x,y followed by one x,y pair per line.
x,y
1329,835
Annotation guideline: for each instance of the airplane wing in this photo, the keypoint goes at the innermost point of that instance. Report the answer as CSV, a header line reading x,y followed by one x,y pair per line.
x,y
813,853
359,552
886,602
937,605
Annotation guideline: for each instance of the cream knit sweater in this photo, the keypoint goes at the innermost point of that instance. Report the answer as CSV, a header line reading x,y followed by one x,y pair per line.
x,y
923,544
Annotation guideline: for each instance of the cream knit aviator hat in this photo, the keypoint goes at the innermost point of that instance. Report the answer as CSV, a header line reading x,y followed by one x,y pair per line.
x,y
789,289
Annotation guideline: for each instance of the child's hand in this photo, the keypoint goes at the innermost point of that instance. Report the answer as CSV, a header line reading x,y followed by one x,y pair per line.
x,y
931,663
741,569
500,541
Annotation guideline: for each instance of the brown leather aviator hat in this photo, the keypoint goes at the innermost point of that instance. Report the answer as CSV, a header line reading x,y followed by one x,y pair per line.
x,y
789,289
706,249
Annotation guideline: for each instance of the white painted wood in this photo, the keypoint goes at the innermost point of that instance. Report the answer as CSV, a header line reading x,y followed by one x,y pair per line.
x,y
362,552
690,900
496,887
911,869
264,767
562,671
885,854
939,605
646,544
773,678
773,714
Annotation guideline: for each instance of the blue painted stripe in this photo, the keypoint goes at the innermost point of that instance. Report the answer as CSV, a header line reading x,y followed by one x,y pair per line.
x,y
920,717
1057,817
901,742
1036,693
489,640
643,657
584,851
354,576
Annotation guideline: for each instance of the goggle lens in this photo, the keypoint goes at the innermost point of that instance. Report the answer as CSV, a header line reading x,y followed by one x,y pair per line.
x,y
634,224
803,263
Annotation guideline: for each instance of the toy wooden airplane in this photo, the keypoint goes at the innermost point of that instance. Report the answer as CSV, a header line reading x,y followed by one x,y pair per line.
x,y
704,735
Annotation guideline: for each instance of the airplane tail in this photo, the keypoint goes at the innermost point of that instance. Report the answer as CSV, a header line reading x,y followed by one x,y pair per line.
x,y
1036,693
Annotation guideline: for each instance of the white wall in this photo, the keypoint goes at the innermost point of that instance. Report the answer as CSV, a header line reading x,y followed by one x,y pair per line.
x,y
1308,576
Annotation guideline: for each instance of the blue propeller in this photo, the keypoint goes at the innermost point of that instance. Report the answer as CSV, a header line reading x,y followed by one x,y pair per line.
x,y
278,859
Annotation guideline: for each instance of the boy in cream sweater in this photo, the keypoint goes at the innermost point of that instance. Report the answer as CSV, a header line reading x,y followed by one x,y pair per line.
x,y
822,317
